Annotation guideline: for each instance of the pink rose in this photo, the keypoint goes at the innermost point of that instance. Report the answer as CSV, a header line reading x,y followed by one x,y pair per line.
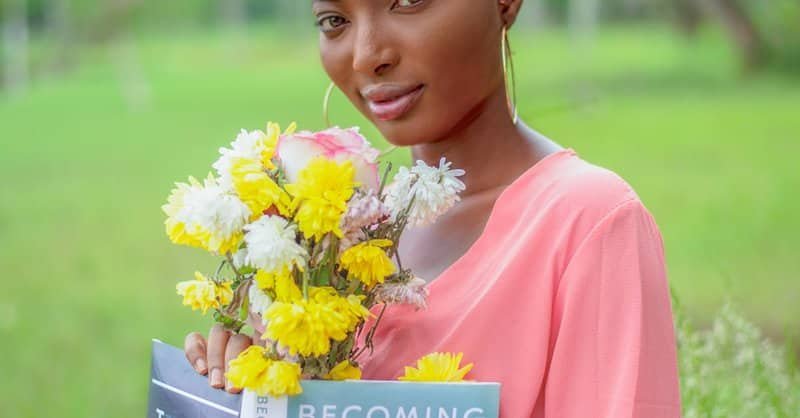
x,y
296,150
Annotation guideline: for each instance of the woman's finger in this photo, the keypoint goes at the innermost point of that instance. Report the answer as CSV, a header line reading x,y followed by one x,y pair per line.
x,y
236,345
217,340
194,346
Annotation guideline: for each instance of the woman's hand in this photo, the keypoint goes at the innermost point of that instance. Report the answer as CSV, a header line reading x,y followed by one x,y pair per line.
x,y
212,357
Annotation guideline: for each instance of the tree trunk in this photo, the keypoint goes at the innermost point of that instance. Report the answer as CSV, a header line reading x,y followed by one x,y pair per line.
x,y
113,19
59,31
15,46
688,16
233,12
741,30
582,19
534,14
291,10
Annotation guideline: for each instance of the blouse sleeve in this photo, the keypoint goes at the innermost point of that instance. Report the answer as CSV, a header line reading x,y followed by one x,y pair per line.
x,y
613,348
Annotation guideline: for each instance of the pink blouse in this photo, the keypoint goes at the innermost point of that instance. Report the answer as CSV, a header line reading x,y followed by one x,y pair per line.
x,y
563,299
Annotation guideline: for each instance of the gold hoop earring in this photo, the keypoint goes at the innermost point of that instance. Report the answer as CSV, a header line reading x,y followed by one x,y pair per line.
x,y
325,102
508,66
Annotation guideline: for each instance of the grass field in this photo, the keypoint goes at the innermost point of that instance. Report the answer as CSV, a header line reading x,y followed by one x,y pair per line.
x,y
88,274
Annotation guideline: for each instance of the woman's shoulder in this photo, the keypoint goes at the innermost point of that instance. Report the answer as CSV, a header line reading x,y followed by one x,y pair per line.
x,y
571,191
570,202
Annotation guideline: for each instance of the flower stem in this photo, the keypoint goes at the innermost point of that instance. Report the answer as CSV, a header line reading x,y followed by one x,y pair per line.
x,y
305,284
219,269
370,334
233,267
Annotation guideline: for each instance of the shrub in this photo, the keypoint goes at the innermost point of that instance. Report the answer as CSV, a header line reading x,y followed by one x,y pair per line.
x,y
730,370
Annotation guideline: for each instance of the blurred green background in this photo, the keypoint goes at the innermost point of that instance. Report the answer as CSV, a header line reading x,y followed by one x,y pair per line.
x,y
105,104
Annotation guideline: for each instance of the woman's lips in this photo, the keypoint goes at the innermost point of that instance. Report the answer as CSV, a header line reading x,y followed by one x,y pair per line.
x,y
397,106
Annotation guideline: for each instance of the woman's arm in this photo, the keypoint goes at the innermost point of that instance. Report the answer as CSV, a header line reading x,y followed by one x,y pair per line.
x,y
613,345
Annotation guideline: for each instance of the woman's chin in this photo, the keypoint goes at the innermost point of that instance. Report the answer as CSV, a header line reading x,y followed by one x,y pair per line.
x,y
406,132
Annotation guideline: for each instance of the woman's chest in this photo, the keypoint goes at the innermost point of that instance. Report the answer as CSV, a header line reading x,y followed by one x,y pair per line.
x,y
429,250
496,297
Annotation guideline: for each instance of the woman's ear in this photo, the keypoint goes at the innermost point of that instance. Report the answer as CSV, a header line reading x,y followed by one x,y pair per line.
x,y
509,9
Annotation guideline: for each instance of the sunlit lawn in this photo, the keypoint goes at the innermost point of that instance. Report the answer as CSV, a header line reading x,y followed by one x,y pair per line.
x,y
88,275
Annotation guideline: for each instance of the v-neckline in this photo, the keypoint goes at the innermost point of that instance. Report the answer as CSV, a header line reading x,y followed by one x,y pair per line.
x,y
527,173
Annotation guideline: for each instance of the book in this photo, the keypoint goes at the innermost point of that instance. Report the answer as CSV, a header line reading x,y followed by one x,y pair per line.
x,y
178,391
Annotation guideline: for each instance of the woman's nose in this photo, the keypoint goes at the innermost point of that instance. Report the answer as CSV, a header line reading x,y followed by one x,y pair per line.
x,y
372,55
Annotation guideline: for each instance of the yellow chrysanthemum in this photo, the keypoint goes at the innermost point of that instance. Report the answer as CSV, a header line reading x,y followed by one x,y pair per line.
x,y
437,367
265,280
256,188
253,370
286,290
343,371
282,378
355,309
281,285
368,262
305,326
351,306
204,294
320,196
177,233
175,225
247,370
270,142
220,245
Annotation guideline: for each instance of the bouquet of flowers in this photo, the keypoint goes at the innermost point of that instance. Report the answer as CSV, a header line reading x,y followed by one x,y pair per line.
x,y
307,229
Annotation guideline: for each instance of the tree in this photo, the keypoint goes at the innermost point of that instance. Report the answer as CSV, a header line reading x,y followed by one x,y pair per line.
x,y
742,31
688,16
15,45
234,12
583,16
57,26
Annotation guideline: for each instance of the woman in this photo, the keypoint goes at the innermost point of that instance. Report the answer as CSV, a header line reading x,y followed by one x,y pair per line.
x,y
549,274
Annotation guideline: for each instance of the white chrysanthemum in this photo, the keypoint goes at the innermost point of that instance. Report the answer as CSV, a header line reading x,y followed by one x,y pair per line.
x,y
239,258
434,191
259,300
210,214
247,145
271,245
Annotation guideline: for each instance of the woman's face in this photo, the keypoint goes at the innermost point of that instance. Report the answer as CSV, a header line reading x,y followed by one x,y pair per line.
x,y
418,69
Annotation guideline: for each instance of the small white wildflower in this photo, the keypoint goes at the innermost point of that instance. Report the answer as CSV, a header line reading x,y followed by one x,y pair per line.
x,y
271,245
434,191
731,370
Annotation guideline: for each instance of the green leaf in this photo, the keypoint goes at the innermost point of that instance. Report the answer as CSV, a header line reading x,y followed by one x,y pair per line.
x,y
245,308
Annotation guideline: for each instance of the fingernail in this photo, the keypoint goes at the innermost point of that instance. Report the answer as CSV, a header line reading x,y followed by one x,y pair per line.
x,y
201,366
216,378
228,385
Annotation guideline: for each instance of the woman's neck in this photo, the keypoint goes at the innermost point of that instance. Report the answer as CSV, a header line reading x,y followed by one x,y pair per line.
x,y
486,144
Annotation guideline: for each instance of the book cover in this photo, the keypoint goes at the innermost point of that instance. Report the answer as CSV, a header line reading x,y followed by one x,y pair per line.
x,y
178,391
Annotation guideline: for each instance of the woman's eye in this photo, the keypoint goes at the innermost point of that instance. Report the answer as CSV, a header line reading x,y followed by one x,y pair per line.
x,y
401,4
331,23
